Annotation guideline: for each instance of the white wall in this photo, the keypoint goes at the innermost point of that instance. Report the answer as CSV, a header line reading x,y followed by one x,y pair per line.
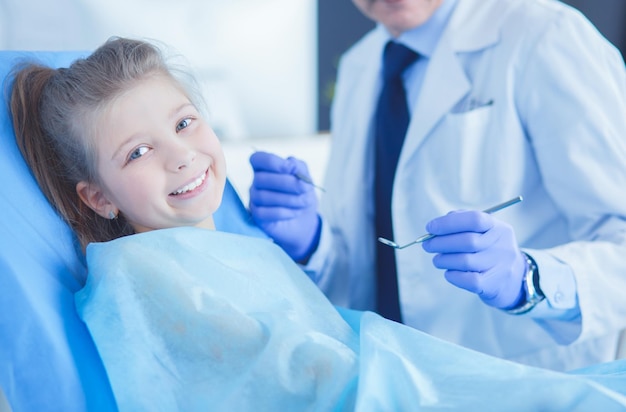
x,y
256,59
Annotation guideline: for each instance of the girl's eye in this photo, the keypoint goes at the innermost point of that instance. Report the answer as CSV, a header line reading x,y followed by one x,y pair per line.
x,y
137,153
183,124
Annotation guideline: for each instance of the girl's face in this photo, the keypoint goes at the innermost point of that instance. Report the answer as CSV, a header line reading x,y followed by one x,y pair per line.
x,y
398,16
159,163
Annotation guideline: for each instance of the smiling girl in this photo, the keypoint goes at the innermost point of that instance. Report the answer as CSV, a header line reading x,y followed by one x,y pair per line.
x,y
140,154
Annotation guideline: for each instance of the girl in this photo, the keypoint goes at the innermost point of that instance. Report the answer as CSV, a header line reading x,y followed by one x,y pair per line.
x,y
186,318
119,131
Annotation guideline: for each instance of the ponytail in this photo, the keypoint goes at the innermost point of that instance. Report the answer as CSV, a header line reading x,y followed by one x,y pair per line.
x,y
48,164
38,149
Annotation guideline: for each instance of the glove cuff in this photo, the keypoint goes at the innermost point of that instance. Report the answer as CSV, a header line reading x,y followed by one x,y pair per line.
x,y
533,292
304,257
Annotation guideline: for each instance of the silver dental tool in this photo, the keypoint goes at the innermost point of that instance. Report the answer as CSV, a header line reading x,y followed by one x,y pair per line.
x,y
308,180
427,236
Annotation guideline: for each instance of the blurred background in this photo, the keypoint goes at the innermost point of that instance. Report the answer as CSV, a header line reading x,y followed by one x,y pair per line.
x,y
267,67
255,59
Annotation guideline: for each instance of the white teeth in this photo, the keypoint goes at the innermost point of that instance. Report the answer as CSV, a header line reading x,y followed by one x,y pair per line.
x,y
191,185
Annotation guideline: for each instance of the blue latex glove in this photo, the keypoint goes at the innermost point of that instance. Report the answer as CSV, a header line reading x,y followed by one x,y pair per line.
x,y
283,205
480,254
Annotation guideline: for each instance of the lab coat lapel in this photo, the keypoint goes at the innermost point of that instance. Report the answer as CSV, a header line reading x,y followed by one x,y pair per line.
x,y
471,28
366,98
363,101
444,85
362,148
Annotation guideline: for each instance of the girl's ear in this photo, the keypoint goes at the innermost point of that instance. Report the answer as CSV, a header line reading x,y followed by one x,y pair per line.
x,y
92,195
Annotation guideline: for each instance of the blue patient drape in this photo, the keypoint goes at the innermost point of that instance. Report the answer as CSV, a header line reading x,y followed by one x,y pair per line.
x,y
190,319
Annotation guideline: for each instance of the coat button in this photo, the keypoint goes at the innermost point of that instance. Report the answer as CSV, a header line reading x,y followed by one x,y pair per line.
x,y
558,297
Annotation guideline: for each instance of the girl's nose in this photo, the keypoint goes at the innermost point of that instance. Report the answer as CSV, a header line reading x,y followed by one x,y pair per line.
x,y
180,156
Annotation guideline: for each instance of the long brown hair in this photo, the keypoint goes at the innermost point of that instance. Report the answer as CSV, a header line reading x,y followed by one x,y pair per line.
x,y
54,113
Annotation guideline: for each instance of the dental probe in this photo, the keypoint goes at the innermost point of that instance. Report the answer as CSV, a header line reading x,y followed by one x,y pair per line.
x,y
427,236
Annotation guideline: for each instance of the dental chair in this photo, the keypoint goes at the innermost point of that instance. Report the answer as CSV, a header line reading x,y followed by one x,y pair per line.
x,y
48,359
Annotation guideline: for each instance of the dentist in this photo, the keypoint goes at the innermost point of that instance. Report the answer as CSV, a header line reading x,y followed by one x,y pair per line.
x,y
455,105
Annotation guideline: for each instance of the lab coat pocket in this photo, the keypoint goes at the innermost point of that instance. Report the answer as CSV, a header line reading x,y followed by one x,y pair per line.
x,y
468,151
470,116
471,104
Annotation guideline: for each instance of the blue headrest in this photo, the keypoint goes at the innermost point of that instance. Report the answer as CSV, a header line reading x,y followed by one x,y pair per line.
x,y
48,357
47,354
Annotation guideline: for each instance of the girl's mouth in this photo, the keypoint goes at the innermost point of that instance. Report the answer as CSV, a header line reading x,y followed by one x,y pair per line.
x,y
190,186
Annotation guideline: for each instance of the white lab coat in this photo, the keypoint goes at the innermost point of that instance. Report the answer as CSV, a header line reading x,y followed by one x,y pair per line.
x,y
520,97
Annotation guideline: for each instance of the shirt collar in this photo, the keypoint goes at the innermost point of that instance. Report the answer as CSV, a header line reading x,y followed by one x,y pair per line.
x,y
423,39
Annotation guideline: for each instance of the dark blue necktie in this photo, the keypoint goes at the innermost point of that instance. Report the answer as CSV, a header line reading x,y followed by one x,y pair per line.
x,y
391,123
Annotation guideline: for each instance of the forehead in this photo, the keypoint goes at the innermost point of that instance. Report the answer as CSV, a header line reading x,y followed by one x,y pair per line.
x,y
145,104
145,97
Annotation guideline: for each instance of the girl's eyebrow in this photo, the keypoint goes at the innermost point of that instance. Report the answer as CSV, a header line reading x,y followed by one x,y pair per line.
x,y
180,108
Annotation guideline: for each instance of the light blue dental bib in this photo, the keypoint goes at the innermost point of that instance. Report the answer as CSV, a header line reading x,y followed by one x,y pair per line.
x,y
188,319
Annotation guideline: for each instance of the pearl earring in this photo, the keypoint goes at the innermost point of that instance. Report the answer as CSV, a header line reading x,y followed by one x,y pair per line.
x,y
112,215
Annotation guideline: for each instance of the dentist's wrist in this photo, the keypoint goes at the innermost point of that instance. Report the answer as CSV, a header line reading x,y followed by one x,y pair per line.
x,y
532,291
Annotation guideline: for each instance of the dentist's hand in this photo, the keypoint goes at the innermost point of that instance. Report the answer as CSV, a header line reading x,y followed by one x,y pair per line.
x,y
480,254
284,206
